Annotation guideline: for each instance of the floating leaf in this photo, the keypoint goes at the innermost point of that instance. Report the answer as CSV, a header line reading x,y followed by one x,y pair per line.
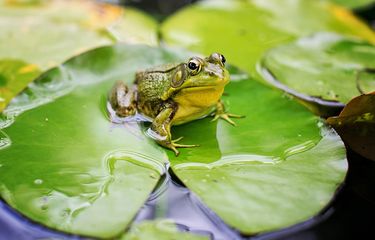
x,y
243,30
255,175
14,76
80,173
46,33
159,229
356,124
354,3
52,31
88,176
325,69
134,27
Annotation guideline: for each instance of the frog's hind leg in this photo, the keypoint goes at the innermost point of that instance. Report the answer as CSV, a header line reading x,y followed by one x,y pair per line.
x,y
123,99
160,129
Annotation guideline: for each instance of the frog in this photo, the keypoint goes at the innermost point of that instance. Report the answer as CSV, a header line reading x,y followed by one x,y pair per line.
x,y
174,94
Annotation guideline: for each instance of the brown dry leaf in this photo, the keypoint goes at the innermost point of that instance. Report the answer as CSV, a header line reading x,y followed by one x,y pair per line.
x,y
356,125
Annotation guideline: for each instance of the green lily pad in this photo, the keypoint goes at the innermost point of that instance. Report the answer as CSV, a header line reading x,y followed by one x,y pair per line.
x,y
46,33
243,30
326,69
354,3
80,173
278,167
159,229
88,176
14,76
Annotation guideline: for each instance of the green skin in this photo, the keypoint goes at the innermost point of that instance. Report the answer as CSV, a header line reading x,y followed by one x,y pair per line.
x,y
174,94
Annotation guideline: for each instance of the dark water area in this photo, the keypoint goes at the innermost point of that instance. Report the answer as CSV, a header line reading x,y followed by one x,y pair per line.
x,y
349,216
367,13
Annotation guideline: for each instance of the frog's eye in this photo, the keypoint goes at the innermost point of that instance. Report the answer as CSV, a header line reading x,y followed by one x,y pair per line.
x,y
217,58
222,59
195,66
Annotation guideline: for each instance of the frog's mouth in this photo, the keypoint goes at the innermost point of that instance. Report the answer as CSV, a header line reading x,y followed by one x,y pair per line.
x,y
204,87
207,85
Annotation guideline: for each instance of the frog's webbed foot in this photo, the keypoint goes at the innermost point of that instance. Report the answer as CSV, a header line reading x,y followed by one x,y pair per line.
x,y
173,145
226,117
220,113
160,130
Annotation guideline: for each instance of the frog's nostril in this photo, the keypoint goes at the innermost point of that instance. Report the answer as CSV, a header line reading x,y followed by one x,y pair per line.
x,y
211,73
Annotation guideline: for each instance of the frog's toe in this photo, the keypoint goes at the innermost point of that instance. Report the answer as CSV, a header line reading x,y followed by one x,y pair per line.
x,y
216,117
178,139
174,149
185,145
174,143
226,118
173,146
235,115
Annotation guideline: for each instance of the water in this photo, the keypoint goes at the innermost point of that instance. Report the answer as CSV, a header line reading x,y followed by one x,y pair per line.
x,y
187,211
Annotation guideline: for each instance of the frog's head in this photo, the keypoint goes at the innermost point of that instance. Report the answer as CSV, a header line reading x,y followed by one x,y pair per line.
x,y
198,73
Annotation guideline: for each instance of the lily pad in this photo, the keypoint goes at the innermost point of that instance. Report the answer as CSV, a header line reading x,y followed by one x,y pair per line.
x,y
88,176
356,124
278,167
354,3
80,173
244,30
159,229
47,33
325,69
14,76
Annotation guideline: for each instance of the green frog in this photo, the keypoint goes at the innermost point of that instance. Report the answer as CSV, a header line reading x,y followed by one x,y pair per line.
x,y
174,94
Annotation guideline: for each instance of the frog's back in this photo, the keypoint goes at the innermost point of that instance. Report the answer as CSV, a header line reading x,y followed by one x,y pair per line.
x,y
152,82
161,68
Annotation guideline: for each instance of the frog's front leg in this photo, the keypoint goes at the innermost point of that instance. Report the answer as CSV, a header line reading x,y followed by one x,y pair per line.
x,y
160,129
221,113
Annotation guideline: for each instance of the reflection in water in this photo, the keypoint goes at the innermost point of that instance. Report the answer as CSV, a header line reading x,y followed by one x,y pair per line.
x,y
187,211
